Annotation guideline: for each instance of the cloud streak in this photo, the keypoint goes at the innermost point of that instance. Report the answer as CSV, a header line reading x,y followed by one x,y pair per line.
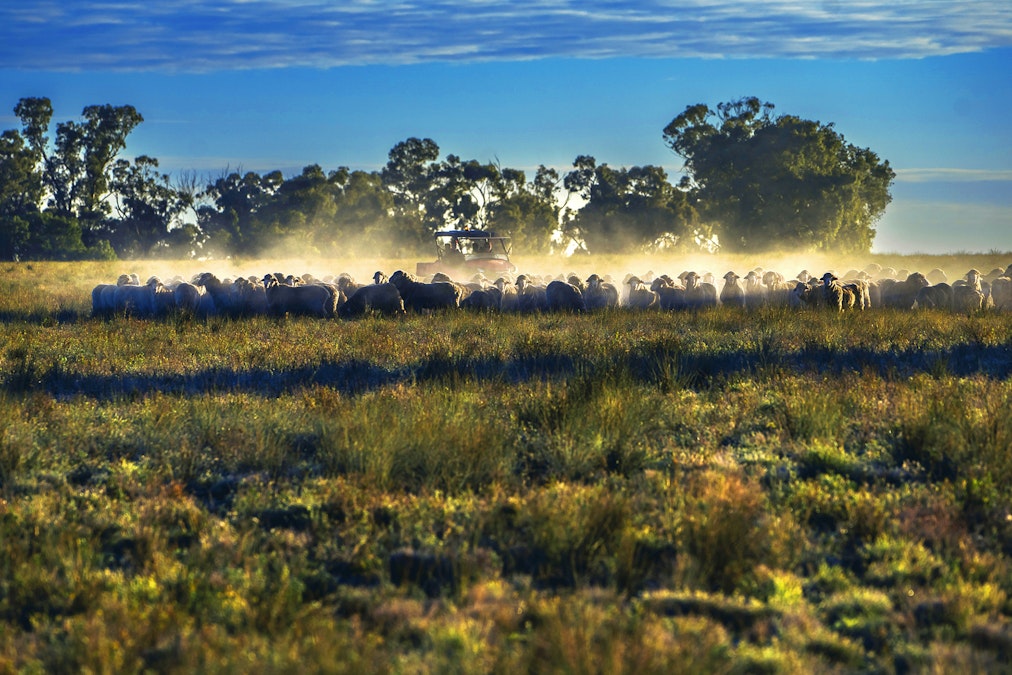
x,y
931,175
204,35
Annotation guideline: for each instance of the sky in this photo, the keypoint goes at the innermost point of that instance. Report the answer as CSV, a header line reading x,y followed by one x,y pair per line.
x,y
259,85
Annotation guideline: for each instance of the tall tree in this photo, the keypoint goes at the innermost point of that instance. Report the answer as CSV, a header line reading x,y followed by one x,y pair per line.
x,y
148,207
364,222
20,184
75,172
627,210
26,231
300,211
229,220
525,210
779,182
412,177
35,115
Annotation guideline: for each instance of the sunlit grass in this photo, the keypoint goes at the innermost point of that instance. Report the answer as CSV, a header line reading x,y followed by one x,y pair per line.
x,y
622,492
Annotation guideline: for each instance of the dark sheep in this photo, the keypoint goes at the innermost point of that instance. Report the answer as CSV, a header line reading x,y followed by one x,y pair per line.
x,y
563,296
937,296
419,296
383,298
307,300
901,294
483,299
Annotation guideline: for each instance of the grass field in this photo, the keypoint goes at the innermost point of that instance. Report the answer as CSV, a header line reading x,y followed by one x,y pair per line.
x,y
634,492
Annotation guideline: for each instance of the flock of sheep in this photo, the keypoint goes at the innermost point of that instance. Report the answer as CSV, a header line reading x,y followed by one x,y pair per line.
x,y
341,296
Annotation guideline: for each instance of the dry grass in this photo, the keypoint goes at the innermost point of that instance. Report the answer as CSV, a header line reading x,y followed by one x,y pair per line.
x,y
723,491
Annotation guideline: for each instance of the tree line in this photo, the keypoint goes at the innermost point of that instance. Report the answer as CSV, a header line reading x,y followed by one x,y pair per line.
x,y
752,181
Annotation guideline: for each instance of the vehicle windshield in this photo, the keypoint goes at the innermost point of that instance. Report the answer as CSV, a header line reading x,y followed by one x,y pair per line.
x,y
472,245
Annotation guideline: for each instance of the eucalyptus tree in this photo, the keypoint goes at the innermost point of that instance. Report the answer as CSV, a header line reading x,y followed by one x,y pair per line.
x,y
20,192
779,182
412,175
148,207
528,211
627,210
69,175
364,222
76,170
229,219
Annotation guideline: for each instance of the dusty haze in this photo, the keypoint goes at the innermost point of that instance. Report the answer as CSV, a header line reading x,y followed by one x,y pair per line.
x,y
788,264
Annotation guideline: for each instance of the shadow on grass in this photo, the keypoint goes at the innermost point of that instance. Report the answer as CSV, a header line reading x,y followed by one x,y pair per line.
x,y
660,367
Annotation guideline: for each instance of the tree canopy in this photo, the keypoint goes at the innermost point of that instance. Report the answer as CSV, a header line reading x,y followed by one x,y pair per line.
x,y
755,180
778,182
628,210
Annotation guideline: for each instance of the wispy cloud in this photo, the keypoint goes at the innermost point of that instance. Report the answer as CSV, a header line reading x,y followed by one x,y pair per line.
x,y
200,35
949,175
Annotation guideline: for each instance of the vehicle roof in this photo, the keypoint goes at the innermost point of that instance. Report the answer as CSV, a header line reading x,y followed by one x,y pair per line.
x,y
472,234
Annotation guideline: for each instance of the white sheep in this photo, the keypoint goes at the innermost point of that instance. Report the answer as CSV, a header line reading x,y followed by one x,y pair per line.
x,y
133,298
103,300
640,295
509,300
600,294
249,296
163,301
483,299
670,295
531,296
777,291
901,294
970,296
187,298
836,294
221,294
805,295
755,291
699,294
1001,292
936,296
732,294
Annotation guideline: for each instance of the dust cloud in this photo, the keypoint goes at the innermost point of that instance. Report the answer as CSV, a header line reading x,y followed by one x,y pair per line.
x,y
361,266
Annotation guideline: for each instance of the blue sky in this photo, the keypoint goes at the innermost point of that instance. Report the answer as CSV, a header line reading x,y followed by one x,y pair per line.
x,y
279,84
